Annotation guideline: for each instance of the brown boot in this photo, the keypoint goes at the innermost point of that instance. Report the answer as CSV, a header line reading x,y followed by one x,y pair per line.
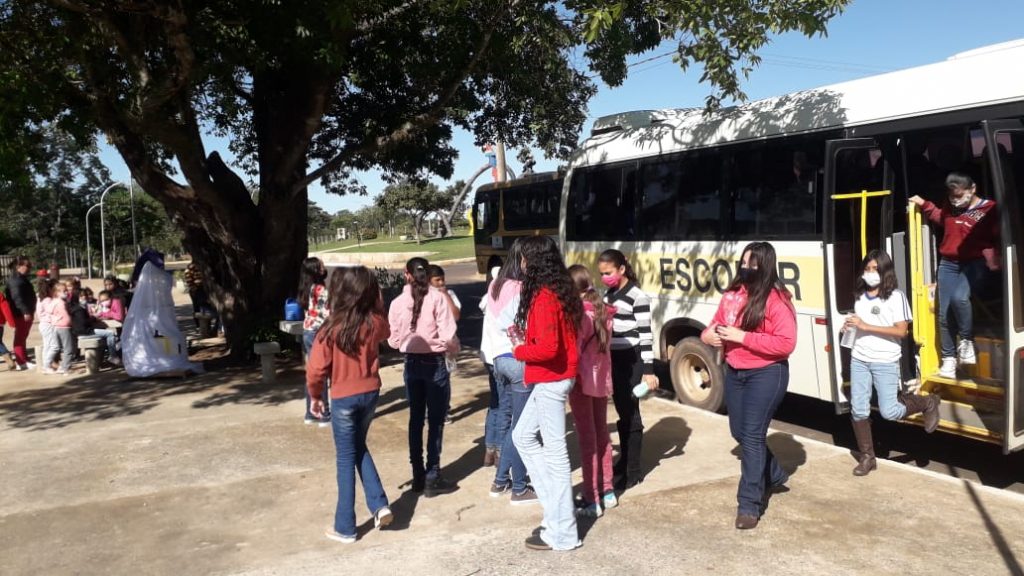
x,y
927,404
865,448
490,458
11,364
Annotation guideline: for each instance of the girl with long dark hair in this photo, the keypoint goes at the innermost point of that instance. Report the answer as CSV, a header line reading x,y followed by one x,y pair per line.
x,y
509,393
880,320
423,328
589,398
313,292
550,311
756,325
345,351
632,360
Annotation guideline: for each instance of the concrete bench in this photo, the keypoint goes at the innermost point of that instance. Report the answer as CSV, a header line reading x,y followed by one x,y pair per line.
x,y
266,351
204,320
92,348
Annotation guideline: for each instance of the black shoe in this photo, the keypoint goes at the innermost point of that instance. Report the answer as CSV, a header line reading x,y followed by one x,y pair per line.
x,y
418,483
438,485
535,542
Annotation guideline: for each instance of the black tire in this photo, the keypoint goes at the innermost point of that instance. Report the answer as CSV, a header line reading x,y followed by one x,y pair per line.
x,y
697,378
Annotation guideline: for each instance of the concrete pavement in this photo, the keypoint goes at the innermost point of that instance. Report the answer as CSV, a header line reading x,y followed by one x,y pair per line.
x,y
218,475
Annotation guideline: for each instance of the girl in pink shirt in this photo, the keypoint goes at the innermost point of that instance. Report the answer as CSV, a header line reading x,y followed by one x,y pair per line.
x,y
56,310
589,397
756,325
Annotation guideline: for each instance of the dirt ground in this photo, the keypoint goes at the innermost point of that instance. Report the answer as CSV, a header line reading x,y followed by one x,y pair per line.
x,y
217,474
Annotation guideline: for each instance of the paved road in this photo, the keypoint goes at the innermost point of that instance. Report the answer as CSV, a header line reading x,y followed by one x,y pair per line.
x,y
943,453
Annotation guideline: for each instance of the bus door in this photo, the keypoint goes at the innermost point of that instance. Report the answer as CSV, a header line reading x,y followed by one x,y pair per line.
x,y
1004,141
857,208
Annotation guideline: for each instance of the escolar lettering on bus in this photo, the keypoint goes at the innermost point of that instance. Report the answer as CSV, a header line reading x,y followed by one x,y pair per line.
x,y
705,275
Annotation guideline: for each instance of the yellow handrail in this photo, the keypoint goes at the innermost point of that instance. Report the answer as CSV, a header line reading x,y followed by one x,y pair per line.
x,y
863,195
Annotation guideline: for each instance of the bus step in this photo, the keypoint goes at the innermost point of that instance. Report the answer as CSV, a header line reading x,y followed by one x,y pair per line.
x,y
967,420
988,387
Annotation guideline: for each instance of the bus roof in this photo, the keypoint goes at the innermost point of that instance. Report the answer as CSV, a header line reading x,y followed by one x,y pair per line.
x,y
522,180
981,77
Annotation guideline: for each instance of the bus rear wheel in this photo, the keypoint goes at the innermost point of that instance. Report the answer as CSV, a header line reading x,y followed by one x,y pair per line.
x,y
696,376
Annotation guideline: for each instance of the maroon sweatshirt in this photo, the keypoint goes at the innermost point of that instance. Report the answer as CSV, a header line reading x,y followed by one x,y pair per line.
x,y
969,235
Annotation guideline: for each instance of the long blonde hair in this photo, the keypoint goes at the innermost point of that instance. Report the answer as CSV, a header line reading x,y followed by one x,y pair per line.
x,y
581,279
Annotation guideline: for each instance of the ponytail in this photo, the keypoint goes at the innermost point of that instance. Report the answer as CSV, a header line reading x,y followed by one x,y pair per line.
x,y
618,259
417,270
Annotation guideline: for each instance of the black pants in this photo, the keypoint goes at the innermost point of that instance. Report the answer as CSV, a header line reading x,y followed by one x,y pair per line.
x,y
627,371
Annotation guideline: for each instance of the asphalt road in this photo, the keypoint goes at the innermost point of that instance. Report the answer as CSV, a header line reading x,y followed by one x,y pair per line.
x,y
944,453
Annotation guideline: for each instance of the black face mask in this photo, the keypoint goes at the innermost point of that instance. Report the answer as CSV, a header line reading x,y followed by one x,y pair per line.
x,y
746,275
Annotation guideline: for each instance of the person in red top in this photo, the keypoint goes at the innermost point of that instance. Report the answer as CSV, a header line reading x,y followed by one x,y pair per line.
x,y
969,254
345,350
756,325
550,309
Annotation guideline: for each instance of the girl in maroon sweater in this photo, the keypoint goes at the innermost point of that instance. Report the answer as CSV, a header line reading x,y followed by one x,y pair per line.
x,y
345,349
969,254
550,309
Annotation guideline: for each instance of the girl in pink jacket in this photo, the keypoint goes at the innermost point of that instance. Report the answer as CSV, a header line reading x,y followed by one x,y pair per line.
x,y
589,397
56,310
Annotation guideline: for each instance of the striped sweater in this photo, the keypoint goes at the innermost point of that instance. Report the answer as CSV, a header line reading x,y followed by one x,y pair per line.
x,y
632,325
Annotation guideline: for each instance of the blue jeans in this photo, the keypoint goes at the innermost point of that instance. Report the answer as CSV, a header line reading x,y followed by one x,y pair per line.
x,y
499,412
428,390
752,396
540,437
886,379
350,422
110,336
308,336
509,374
956,282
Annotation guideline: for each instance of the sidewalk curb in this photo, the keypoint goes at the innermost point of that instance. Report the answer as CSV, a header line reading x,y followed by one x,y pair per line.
x,y
839,450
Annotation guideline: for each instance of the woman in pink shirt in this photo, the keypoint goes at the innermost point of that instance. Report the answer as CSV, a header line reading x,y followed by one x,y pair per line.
x,y
589,397
756,326
423,328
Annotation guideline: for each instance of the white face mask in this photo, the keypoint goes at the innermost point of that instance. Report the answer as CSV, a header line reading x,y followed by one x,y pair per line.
x,y
962,201
872,279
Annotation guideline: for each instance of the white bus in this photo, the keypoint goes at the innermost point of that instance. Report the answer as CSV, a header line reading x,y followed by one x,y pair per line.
x,y
681,193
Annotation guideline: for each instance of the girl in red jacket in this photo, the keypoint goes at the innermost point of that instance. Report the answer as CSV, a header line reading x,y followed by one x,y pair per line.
x,y
345,350
756,325
550,310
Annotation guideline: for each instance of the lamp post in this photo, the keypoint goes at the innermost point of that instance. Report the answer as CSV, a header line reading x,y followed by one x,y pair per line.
x,y
88,245
103,237
359,234
131,203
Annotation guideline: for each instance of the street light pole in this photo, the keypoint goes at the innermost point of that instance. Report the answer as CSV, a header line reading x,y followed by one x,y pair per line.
x,y
88,244
103,237
131,202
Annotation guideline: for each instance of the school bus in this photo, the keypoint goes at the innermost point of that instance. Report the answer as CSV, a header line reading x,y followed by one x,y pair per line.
x,y
504,211
824,175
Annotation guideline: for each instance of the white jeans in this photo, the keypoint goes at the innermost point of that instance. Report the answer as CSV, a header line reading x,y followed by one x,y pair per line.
x,y
540,438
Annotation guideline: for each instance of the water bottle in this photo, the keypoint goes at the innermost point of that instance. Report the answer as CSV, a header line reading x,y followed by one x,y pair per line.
x,y
516,336
848,338
641,390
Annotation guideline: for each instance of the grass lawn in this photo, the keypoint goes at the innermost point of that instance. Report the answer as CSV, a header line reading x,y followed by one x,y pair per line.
x,y
444,248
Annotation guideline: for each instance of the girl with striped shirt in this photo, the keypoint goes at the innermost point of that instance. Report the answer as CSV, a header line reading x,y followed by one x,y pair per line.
x,y
632,348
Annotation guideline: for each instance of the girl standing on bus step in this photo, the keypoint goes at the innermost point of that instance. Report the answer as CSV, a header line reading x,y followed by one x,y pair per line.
x,y
423,328
756,325
632,360
550,310
969,255
589,398
313,292
880,320
345,350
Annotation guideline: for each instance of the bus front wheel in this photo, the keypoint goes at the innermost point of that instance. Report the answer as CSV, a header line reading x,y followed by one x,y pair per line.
x,y
697,378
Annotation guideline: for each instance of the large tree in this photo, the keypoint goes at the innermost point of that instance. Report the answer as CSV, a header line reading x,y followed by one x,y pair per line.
x,y
311,90
415,198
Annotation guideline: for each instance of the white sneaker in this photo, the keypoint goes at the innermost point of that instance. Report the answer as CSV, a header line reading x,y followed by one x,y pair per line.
x,y
332,535
948,368
965,352
383,518
30,365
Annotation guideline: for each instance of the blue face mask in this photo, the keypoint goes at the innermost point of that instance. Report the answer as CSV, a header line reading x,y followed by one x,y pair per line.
x,y
746,275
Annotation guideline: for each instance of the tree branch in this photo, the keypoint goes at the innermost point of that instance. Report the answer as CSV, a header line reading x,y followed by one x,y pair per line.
x,y
403,132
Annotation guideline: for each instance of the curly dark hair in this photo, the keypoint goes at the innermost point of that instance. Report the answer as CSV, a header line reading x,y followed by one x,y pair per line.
x,y
546,269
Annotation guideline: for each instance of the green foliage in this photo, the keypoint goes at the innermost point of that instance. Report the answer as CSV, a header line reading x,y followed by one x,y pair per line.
x,y
266,330
387,279
416,198
368,234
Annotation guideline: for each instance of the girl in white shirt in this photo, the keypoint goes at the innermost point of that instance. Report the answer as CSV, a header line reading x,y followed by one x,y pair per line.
x,y
880,320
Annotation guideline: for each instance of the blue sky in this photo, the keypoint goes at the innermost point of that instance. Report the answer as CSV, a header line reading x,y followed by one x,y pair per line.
x,y
872,36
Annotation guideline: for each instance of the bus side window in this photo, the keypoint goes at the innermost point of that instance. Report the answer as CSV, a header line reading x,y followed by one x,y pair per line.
x,y
603,203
